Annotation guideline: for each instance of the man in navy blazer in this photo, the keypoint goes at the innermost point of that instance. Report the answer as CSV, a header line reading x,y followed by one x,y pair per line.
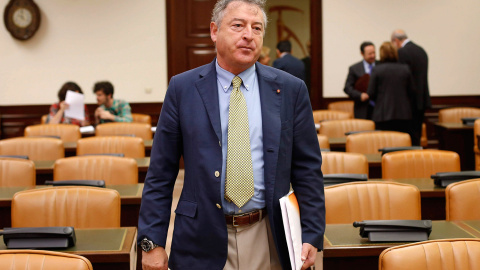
x,y
287,62
284,147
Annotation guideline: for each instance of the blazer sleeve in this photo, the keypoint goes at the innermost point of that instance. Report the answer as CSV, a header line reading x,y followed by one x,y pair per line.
x,y
157,195
350,85
306,173
372,90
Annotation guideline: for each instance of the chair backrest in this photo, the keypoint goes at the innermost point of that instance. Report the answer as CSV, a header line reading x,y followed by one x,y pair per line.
x,y
418,163
34,148
321,115
66,132
16,172
129,146
141,130
141,118
338,128
463,200
341,162
424,138
43,119
344,106
370,142
357,201
42,259
436,254
113,170
455,115
323,141
80,207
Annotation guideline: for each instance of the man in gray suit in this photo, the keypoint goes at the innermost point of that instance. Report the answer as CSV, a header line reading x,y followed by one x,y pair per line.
x,y
356,75
416,58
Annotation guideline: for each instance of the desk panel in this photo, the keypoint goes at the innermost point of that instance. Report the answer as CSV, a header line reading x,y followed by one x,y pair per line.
x,y
457,137
113,248
345,249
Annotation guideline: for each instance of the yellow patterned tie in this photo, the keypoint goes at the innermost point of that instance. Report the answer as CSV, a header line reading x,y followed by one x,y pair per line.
x,y
239,175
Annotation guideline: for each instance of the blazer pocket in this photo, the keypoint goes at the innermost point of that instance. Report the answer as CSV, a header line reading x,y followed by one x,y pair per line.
x,y
186,208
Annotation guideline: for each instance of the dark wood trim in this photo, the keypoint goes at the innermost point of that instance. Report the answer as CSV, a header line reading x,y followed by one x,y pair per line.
x,y
15,118
316,35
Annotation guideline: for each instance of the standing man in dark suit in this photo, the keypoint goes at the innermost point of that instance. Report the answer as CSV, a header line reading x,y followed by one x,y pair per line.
x,y
416,58
357,79
287,62
228,215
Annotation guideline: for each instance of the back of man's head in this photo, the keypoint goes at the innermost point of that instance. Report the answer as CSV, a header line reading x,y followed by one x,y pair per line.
x,y
105,86
365,44
284,46
399,34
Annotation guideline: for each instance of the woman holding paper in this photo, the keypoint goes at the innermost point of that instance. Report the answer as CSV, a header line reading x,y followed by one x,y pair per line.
x,y
57,110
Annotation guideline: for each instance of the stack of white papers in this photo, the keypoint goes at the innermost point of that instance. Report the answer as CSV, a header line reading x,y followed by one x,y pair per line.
x,y
293,228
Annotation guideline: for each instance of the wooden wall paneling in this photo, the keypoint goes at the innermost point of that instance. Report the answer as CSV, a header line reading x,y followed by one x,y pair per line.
x,y
316,95
188,34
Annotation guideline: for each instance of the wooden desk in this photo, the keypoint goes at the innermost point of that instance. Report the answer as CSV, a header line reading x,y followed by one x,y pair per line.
x,y
374,165
71,148
457,137
113,248
44,169
432,197
337,144
345,249
130,196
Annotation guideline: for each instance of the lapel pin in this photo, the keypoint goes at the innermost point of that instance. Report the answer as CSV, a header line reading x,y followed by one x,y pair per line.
x,y
278,91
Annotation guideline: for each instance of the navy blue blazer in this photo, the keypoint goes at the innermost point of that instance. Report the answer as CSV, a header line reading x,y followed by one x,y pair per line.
x,y
189,126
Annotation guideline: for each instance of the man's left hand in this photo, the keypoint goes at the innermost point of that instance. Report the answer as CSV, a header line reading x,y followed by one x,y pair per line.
x,y
106,115
309,253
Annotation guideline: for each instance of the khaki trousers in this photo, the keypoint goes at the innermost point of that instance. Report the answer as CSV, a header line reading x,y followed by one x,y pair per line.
x,y
252,247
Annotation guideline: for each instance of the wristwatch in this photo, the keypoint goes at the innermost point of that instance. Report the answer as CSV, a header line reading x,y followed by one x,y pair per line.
x,y
147,245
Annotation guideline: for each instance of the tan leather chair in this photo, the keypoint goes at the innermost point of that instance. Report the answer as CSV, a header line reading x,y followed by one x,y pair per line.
x,y
34,148
323,141
140,130
322,115
129,146
42,259
141,118
418,163
338,128
344,106
476,132
341,162
113,170
450,254
455,115
66,132
370,142
16,172
463,200
357,201
80,207
43,119
423,138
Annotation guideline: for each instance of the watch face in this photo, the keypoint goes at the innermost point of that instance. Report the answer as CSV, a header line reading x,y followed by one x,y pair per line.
x,y
145,244
22,17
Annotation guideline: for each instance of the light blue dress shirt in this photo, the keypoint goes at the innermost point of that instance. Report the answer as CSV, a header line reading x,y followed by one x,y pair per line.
x,y
250,91
367,67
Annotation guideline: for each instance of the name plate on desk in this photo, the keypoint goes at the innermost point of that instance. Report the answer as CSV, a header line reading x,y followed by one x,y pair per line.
x,y
444,179
39,237
395,230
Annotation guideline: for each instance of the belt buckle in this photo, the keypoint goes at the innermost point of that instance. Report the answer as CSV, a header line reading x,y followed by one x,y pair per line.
x,y
234,219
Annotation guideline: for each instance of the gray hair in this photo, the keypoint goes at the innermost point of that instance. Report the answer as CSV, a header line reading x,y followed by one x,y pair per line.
x,y
400,35
219,10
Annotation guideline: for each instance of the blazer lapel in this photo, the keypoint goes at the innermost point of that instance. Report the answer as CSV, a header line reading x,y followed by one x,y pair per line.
x,y
207,88
271,101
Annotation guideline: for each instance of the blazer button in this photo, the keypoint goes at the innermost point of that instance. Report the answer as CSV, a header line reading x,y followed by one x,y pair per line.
x,y
217,173
219,206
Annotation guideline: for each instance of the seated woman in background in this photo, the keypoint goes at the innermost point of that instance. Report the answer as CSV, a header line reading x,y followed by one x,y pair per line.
x,y
57,110
264,56
391,88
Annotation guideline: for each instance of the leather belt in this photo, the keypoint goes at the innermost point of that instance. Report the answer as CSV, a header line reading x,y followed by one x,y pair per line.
x,y
245,219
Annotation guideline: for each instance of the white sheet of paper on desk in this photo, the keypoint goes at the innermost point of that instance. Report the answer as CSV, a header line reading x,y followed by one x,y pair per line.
x,y
76,106
293,228
87,129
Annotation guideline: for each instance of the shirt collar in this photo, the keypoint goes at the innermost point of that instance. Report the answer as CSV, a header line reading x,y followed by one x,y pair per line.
x,y
405,42
225,77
